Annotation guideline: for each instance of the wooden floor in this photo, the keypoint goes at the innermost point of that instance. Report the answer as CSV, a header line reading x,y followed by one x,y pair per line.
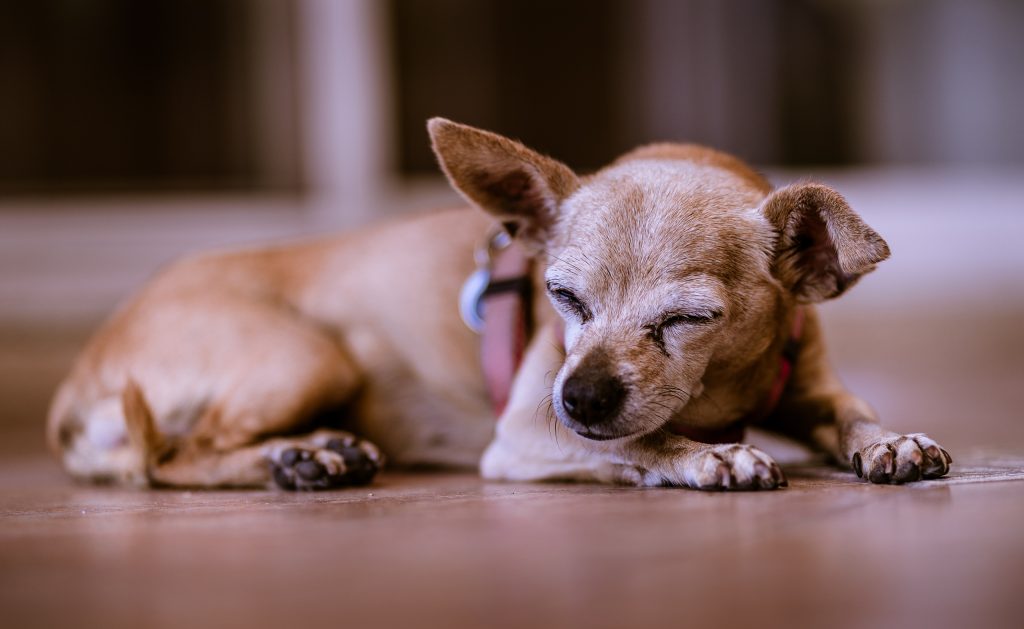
x,y
447,550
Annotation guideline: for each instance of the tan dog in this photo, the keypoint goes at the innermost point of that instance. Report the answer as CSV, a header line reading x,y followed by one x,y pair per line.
x,y
678,279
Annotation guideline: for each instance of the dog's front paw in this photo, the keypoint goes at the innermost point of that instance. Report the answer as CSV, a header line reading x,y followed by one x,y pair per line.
x,y
732,466
340,462
901,459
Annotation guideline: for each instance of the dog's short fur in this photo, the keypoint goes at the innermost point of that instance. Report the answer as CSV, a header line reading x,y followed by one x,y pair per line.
x,y
673,277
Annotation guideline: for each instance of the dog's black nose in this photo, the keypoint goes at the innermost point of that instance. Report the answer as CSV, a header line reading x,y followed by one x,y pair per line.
x,y
591,396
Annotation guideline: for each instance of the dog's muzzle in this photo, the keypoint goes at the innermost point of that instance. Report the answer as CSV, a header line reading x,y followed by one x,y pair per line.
x,y
593,394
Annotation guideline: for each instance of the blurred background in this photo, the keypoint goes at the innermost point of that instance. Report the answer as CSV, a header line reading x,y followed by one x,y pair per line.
x,y
132,132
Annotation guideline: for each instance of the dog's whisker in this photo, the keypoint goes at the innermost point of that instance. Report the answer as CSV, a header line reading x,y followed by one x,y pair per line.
x,y
546,411
544,405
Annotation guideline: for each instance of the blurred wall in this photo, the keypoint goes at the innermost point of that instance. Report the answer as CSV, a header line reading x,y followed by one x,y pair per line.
x,y
238,95
159,95
133,132
941,82
800,82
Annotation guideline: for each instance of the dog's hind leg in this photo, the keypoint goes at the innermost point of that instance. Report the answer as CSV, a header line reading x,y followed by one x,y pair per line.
x,y
320,460
289,374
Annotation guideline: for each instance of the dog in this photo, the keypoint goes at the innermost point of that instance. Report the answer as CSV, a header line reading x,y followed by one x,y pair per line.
x,y
668,299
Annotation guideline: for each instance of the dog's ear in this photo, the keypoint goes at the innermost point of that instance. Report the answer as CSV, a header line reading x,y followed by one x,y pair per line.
x,y
823,247
520,187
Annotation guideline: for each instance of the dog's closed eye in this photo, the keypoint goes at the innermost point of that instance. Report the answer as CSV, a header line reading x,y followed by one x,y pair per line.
x,y
656,331
569,301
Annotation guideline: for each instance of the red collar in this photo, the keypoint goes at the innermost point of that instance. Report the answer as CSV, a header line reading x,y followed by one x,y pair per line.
x,y
496,301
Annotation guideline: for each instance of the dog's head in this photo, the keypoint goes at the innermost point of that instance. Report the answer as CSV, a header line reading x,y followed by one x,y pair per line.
x,y
673,267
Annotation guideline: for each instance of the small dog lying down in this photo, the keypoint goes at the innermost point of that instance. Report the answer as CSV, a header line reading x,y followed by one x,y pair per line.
x,y
670,303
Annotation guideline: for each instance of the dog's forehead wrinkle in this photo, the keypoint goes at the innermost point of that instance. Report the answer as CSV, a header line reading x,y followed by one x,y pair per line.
x,y
629,205
635,234
563,266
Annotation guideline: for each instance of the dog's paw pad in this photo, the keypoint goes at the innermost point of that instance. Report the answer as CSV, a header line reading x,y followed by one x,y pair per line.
x,y
735,467
901,459
362,459
340,464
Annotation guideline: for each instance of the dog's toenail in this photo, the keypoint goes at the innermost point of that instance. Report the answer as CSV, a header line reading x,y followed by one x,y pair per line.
x,y
888,461
858,465
778,476
309,470
724,475
879,474
913,474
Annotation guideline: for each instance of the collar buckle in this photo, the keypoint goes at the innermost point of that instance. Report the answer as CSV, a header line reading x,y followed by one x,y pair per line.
x,y
478,284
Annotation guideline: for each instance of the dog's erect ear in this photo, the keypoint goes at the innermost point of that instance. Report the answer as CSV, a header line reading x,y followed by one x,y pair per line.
x,y
823,246
520,187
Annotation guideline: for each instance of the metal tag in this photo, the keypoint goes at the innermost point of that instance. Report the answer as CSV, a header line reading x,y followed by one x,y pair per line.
x,y
470,306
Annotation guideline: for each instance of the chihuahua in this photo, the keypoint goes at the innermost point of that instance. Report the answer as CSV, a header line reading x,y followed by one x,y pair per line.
x,y
668,300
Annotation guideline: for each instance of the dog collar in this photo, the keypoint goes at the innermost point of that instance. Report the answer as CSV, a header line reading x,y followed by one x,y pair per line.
x,y
495,302
790,352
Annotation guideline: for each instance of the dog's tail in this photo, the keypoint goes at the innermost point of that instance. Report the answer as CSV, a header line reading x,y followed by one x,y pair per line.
x,y
141,428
